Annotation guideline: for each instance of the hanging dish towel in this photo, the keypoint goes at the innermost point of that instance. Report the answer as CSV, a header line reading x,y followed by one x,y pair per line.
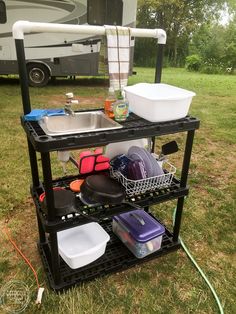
x,y
118,55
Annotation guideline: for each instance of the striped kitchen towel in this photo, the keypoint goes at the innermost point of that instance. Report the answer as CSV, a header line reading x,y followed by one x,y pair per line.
x,y
118,55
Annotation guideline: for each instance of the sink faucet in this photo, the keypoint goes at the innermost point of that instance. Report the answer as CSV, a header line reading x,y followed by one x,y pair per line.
x,y
69,101
69,110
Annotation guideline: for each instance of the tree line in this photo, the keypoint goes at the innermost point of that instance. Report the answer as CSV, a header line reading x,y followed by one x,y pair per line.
x,y
196,36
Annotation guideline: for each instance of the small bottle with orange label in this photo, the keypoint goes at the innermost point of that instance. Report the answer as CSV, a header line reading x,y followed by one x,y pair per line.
x,y
110,99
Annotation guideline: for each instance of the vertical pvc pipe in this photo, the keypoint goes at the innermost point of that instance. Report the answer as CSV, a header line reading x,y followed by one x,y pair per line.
x,y
158,72
20,52
159,61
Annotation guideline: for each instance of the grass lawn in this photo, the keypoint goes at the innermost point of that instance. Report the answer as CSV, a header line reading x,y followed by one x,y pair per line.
x,y
169,284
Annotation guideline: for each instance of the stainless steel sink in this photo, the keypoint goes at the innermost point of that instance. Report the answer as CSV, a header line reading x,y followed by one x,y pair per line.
x,y
79,122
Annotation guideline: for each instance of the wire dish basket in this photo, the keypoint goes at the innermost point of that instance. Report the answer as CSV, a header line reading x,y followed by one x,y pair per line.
x,y
136,187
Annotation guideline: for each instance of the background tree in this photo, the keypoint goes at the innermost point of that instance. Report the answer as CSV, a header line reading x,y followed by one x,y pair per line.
x,y
181,19
216,46
230,45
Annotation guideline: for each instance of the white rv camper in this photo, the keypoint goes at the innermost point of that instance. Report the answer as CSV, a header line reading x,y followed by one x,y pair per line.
x,y
48,55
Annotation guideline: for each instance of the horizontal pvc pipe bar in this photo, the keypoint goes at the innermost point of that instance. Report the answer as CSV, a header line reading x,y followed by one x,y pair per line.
x,y
21,27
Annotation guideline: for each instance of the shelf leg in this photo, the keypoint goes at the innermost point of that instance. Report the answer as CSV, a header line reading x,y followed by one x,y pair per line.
x,y
47,176
178,216
187,157
33,164
42,237
183,183
55,259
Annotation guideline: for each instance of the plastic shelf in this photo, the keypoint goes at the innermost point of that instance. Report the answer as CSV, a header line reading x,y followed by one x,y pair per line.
x,y
116,258
134,127
102,212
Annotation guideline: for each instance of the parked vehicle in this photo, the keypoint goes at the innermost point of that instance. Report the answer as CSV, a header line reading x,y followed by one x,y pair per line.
x,y
48,55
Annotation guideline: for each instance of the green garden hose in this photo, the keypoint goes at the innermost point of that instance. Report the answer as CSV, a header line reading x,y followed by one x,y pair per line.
x,y
200,270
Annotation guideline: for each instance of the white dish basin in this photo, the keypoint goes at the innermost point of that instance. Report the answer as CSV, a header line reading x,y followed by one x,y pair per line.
x,y
81,245
159,102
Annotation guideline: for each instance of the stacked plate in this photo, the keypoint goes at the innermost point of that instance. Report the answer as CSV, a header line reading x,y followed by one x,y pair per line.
x,y
143,165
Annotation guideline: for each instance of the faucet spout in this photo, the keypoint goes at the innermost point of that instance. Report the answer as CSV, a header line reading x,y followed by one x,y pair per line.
x,y
69,102
69,110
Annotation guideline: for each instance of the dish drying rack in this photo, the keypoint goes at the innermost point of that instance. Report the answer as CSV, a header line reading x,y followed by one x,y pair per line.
x,y
137,187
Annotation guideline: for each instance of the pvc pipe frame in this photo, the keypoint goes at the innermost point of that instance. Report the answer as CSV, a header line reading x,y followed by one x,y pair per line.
x,y
21,27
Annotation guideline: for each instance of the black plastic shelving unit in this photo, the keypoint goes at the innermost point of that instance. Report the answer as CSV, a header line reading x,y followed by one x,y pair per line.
x,y
117,257
134,127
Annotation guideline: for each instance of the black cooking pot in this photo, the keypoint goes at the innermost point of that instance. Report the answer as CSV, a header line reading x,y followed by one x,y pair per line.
x,y
64,202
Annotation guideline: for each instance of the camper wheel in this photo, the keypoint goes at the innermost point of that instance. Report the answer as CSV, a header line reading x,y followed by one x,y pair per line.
x,y
38,74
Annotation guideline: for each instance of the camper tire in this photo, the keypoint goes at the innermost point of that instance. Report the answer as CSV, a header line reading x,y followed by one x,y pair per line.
x,y
38,74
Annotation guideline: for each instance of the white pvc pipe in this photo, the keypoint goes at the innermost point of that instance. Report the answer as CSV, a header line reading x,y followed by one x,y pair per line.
x,y
21,27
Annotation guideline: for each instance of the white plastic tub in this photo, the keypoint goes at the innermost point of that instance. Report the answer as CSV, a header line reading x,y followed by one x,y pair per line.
x,y
158,102
82,245
114,149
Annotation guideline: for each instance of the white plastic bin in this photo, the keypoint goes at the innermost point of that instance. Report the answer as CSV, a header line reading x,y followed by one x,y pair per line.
x,y
114,149
82,245
159,102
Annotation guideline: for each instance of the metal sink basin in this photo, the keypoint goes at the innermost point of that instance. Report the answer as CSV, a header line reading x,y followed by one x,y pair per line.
x,y
79,122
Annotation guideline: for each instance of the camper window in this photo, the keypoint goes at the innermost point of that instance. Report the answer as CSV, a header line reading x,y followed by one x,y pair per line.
x,y
3,13
101,12
114,12
96,12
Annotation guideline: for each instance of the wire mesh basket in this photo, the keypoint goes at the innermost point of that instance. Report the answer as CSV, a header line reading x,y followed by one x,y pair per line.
x,y
136,187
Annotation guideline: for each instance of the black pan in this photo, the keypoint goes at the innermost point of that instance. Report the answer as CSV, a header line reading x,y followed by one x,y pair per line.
x,y
104,190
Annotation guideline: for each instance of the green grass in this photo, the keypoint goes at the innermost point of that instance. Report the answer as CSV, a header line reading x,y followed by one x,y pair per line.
x,y
169,284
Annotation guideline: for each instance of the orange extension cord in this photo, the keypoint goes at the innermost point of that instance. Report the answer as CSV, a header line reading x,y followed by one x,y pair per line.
x,y
40,289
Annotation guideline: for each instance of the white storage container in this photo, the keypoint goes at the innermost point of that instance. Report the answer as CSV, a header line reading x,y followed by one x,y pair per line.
x,y
114,149
82,245
158,102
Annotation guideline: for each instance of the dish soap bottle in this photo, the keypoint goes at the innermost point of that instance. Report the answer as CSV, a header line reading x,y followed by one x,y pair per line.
x,y
110,99
121,107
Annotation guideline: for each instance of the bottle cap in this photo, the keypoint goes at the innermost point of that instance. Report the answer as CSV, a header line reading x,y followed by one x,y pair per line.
x,y
69,95
120,96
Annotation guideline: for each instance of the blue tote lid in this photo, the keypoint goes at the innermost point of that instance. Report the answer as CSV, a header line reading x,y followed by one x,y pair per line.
x,y
141,225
